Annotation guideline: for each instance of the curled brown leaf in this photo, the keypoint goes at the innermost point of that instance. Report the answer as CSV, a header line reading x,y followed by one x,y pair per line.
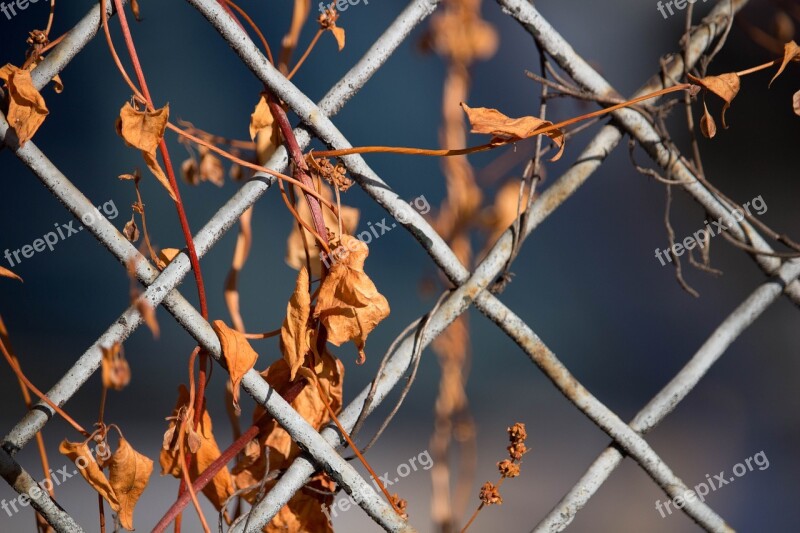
x,y
129,472
26,106
238,354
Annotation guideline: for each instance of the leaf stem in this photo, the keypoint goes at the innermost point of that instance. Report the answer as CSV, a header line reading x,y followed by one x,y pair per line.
x,y
492,146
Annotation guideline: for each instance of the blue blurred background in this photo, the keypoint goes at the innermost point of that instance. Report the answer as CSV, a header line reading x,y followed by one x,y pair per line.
x,y
586,281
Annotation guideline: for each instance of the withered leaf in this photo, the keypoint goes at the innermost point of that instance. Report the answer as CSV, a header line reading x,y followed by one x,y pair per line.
x,y
338,34
791,52
148,316
707,125
80,454
26,106
207,451
145,130
211,169
239,356
295,249
261,118
6,273
295,332
131,230
796,103
726,86
349,305
503,128
128,474
116,372
168,254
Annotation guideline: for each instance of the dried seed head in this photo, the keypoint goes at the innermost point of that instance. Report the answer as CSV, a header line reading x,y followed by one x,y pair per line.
x,y
508,468
517,433
328,18
490,495
401,504
335,175
517,450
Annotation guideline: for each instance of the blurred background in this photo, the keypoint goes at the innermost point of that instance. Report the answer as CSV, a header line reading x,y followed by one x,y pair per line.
x,y
586,281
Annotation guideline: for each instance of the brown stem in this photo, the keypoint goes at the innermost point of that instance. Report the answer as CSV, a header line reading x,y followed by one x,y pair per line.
x,y
300,167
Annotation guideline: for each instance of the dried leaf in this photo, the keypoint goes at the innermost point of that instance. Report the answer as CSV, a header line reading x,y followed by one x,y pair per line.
x,y
168,254
207,451
6,273
796,103
145,130
80,454
261,118
26,106
338,34
116,371
240,252
707,125
459,33
148,315
189,171
131,230
135,9
791,52
128,474
503,128
211,169
349,305
295,250
238,354
295,332
726,86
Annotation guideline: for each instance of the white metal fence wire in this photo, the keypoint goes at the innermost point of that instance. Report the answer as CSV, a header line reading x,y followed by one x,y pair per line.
x,y
471,288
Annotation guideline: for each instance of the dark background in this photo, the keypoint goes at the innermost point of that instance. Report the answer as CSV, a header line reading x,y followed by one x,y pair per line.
x,y
586,281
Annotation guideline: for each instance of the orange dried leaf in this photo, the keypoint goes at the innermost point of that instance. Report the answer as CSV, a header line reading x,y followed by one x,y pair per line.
x,y
148,316
6,273
26,106
791,52
168,254
796,103
295,332
207,451
131,231
239,356
295,250
128,474
145,130
726,86
707,125
503,128
338,34
80,454
349,305
116,371
261,118
211,169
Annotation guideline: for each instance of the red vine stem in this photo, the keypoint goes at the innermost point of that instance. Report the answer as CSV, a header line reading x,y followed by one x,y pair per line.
x,y
225,457
300,167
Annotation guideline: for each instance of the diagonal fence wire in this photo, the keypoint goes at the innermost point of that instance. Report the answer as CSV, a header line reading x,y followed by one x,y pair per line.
x,y
512,325
472,288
